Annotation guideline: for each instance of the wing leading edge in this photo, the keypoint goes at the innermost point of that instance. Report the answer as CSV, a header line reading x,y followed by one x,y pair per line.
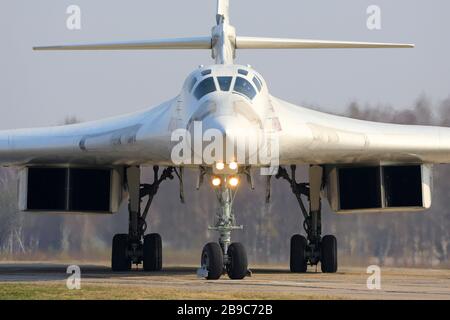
x,y
131,139
312,137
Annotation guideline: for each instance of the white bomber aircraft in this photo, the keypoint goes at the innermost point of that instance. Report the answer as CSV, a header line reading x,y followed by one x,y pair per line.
x,y
358,166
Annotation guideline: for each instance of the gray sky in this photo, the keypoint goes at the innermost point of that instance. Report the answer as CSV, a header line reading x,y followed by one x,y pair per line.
x,y
43,88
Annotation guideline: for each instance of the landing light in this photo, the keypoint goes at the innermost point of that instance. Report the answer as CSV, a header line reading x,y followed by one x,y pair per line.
x,y
216,181
233,166
233,182
220,166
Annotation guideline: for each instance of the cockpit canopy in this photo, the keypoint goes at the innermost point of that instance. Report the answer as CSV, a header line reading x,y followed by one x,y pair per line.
x,y
243,83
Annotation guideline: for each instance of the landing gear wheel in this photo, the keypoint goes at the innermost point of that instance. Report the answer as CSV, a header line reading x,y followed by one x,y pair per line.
x,y
212,260
237,266
152,252
120,260
329,254
299,263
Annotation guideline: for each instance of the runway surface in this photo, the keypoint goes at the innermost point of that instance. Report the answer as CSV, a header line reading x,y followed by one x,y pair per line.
x,y
265,283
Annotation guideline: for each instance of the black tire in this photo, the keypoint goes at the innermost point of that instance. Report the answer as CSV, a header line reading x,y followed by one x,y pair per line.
x,y
298,262
329,262
152,252
237,266
212,260
120,261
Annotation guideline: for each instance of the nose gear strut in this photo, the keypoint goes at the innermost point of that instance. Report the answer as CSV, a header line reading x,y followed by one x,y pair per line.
x,y
225,256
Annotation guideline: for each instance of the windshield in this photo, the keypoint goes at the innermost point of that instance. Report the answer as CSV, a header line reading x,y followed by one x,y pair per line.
x,y
225,83
244,87
257,83
205,87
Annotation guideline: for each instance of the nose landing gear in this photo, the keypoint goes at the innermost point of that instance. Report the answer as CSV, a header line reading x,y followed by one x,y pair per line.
x,y
224,256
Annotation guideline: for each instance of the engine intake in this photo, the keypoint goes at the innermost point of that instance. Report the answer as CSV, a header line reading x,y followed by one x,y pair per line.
x,y
69,190
379,188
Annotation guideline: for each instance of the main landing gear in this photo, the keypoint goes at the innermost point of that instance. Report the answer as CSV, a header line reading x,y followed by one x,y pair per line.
x,y
136,247
314,248
224,256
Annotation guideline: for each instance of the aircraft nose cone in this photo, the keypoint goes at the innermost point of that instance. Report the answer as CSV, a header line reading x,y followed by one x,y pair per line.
x,y
232,116
227,125
226,128
226,138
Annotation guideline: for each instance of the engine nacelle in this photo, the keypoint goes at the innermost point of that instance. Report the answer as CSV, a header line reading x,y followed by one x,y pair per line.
x,y
70,190
385,188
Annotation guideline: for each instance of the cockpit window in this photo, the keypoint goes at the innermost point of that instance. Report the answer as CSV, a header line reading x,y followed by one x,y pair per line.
x,y
225,83
206,72
244,87
243,72
257,83
205,87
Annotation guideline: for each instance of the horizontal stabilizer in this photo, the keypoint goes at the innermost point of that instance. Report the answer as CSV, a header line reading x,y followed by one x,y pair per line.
x,y
277,43
180,43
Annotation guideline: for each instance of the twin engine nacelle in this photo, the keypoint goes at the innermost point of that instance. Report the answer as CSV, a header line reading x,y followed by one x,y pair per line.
x,y
349,189
70,190
383,188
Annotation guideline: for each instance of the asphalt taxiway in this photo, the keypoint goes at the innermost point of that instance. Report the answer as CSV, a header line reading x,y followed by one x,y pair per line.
x,y
265,283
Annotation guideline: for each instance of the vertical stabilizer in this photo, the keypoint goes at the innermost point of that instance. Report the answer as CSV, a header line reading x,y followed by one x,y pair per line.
x,y
223,11
223,35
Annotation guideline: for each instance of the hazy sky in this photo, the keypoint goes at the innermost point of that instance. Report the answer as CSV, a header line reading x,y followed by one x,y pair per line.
x,y
42,88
